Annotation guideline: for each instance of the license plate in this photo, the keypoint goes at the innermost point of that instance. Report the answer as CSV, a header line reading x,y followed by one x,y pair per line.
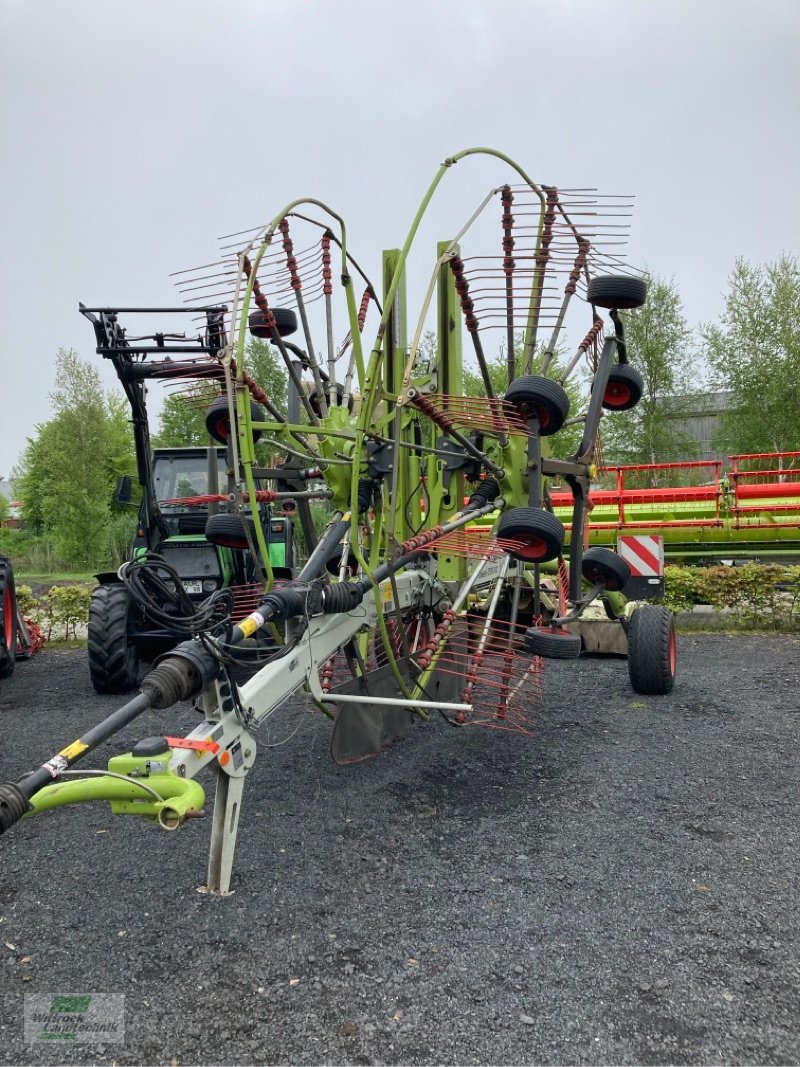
x,y
193,587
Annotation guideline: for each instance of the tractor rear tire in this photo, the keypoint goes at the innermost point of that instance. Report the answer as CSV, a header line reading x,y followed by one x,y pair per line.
x,y
539,533
601,565
617,291
8,619
113,658
651,650
546,398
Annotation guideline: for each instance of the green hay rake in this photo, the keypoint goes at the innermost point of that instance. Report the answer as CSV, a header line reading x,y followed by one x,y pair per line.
x,y
441,580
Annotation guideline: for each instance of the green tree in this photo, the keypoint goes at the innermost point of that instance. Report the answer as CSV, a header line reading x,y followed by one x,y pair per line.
x,y
659,345
182,421
754,354
67,473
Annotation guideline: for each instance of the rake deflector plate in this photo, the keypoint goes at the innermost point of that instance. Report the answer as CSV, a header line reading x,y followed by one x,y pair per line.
x,y
364,730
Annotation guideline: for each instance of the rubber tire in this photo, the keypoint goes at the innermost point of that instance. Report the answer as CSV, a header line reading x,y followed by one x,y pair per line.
x,y
547,398
624,389
229,532
651,650
617,291
315,404
218,421
561,644
113,657
285,321
535,525
603,565
8,619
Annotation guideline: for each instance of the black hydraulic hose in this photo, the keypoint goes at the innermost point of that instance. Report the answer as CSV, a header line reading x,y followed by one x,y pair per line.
x,y
315,563
615,317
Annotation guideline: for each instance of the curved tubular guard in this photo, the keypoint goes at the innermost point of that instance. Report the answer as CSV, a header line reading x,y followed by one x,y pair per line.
x,y
180,797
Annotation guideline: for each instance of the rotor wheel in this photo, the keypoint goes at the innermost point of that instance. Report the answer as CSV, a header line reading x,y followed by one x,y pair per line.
x,y
617,291
651,650
113,657
8,619
218,421
538,534
535,394
285,323
552,644
624,388
601,566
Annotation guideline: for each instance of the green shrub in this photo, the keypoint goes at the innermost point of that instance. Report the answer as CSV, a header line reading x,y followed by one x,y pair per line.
x,y
62,609
760,595
680,588
26,601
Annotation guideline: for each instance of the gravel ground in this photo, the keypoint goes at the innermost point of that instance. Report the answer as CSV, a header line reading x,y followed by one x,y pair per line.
x,y
618,888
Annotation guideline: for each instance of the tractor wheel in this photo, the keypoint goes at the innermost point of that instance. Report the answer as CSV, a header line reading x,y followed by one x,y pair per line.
x,y
539,535
545,398
218,421
113,658
552,644
617,291
285,321
8,619
229,531
651,650
602,566
624,388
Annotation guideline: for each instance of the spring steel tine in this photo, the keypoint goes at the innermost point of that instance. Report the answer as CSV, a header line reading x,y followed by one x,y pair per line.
x,y
327,289
297,286
277,340
578,265
241,233
190,270
470,321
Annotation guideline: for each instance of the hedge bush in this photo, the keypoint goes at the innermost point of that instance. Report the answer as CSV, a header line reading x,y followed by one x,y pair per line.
x,y
58,613
758,595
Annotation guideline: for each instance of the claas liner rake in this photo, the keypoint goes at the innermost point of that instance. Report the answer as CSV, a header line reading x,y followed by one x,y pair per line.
x,y
441,581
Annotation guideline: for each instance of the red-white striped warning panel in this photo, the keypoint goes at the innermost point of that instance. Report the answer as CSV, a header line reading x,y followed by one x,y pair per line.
x,y
644,555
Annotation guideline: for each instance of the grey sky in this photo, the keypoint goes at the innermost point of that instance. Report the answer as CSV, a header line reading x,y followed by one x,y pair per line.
x,y
133,134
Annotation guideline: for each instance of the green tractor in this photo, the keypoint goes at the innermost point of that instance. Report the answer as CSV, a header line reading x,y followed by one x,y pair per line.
x,y
188,523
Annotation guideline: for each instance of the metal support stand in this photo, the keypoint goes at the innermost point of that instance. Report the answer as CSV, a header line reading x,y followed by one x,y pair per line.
x,y
227,806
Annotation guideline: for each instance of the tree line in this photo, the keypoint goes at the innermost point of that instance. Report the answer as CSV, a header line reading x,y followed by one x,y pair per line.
x,y
67,473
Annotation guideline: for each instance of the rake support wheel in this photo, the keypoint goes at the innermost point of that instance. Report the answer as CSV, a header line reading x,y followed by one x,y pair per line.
x,y
539,536
218,422
617,291
651,650
602,566
624,388
552,644
285,323
113,659
543,396
229,531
